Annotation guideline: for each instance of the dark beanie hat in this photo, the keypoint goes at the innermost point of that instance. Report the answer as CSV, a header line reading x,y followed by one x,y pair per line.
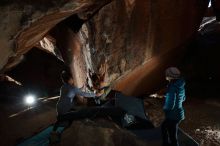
x,y
173,72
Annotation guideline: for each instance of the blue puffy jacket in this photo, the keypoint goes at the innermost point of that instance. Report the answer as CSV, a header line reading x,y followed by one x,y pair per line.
x,y
174,98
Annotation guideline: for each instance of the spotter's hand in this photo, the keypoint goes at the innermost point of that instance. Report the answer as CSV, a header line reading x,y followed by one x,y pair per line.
x,y
156,96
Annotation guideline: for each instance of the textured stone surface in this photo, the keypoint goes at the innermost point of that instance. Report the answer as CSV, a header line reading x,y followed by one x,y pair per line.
x,y
99,133
25,23
125,43
136,40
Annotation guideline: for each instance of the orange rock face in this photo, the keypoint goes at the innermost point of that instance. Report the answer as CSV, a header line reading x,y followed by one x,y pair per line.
x,y
123,43
137,39
26,23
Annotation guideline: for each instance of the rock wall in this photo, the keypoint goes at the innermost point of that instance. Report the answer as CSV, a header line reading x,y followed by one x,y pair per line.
x,y
106,134
123,43
69,45
137,39
25,23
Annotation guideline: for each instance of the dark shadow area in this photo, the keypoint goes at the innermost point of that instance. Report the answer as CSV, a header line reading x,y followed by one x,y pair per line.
x,y
39,74
42,5
201,63
9,91
74,23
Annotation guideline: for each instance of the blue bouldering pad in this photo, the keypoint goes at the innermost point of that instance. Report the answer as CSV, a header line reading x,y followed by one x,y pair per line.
x,y
41,138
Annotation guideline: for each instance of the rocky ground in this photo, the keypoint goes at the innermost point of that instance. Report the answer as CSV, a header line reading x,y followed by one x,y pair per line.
x,y
18,122
98,132
202,119
202,123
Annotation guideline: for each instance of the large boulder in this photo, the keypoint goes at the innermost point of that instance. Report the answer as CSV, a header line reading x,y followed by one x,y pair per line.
x,y
25,23
99,133
124,43
131,42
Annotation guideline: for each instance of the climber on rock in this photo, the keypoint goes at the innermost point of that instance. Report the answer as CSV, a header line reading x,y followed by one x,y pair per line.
x,y
173,108
66,100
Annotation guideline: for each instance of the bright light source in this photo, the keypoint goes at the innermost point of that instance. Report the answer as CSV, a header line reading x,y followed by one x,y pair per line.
x,y
30,99
210,4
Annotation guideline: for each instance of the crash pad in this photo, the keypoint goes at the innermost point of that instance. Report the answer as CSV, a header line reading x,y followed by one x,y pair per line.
x,y
41,138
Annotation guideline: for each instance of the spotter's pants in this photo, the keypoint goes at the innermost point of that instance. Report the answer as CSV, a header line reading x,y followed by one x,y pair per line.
x,y
169,132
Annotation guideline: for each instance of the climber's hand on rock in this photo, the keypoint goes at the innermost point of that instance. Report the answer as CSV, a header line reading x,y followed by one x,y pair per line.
x,y
99,94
